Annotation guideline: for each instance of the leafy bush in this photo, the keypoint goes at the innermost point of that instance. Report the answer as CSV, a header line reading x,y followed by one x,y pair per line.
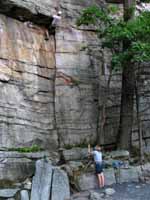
x,y
33,148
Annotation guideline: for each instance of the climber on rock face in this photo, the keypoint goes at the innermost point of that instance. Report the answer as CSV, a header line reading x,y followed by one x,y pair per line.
x,y
54,24
56,19
1,28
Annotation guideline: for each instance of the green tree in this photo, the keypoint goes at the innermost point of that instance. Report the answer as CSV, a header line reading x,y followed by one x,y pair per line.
x,y
128,39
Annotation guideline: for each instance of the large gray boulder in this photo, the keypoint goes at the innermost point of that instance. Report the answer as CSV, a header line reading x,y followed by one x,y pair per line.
x,y
87,181
96,196
15,169
41,184
120,154
49,183
109,176
129,175
24,195
75,154
8,193
145,173
60,185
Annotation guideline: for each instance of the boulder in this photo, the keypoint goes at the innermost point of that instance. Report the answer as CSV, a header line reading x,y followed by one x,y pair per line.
x,y
75,165
60,185
145,173
49,182
11,199
24,195
15,169
30,155
120,154
8,193
109,191
41,183
87,181
129,175
109,176
27,184
81,195
75,154
96,195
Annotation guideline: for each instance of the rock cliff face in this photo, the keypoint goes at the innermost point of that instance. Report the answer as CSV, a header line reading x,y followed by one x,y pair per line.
x,y
77,72
53,92
27,65
49,88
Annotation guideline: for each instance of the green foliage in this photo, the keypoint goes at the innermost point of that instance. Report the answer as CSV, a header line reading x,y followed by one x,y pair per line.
x,y
116,33
113,9
94,15
83,144
33,148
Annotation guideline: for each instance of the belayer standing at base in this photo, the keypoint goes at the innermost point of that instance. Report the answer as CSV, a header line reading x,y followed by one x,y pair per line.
x,y
97,155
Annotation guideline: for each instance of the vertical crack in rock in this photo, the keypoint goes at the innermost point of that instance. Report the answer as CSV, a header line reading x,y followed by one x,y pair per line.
x,y
50,196
54,94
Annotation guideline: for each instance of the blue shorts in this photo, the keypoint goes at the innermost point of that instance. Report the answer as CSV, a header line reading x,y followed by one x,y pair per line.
x,y
98,168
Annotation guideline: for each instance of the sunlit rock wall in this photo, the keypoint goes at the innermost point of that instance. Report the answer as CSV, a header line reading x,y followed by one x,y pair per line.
x,y
78,63
27,66
49,89
55,92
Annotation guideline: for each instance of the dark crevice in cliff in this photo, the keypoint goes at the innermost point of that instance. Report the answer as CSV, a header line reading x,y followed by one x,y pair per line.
x,y
54,93
51,185
23,14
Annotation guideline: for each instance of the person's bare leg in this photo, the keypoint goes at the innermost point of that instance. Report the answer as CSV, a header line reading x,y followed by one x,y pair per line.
x,y
99,180
102,179
46,34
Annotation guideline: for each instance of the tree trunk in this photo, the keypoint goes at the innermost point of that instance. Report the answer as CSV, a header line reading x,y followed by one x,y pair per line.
x,y
141,153
128,86
126,110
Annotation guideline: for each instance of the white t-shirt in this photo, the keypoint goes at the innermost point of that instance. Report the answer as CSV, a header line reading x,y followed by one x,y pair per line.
x,y
97,156
56,19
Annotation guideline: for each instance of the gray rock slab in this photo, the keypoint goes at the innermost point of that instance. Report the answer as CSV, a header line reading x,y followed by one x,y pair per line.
x,y
41,183
27,100
87,181
109,191
129,175
75,154
122,154
96,196
60,185
109,176
24,195
80,195
8,193
16,169
11,199
15,154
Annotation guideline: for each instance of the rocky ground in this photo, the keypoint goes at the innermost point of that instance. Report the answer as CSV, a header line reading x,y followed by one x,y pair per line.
x,y
132,191
125,191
